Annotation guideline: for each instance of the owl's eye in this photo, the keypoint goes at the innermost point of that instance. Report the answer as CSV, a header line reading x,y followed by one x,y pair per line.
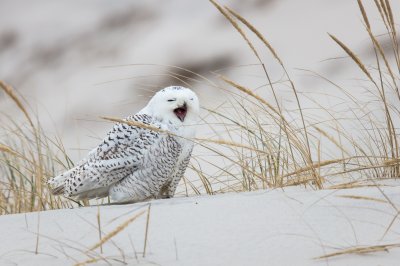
x,y
172,100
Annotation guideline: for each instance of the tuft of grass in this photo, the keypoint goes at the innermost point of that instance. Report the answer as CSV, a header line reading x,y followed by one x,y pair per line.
x,y
288,145
27,159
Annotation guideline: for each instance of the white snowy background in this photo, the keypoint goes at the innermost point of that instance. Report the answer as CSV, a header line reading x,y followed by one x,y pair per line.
x,y
55,54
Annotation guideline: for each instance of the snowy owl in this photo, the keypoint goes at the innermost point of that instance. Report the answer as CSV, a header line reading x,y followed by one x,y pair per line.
x,y
134,163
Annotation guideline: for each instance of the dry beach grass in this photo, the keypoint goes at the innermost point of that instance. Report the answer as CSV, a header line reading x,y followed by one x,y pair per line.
x,y
264,145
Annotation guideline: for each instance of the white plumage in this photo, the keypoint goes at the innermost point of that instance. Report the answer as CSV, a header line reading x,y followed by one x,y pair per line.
x,y
132,163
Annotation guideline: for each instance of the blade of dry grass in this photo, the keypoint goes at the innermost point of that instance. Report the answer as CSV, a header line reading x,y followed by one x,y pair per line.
x,y
361,198
146,230
364,14
199,140
116,231
7,149
353,56
99,227
253,29
88,261
11,93
252,94
360,250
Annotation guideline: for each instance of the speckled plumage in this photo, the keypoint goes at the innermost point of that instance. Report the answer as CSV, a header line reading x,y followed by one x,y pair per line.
x,y
134,164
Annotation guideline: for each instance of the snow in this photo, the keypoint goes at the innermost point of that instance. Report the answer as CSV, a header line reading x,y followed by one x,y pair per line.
x,y
266,227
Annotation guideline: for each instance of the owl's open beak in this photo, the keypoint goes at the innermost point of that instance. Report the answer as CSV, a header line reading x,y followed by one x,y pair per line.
x,y
181,112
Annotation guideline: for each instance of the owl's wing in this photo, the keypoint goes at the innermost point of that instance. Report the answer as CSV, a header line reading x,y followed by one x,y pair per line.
x,y
124,144
118,155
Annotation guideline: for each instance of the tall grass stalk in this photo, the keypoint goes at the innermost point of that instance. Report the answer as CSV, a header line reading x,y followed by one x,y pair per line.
x,y
27,160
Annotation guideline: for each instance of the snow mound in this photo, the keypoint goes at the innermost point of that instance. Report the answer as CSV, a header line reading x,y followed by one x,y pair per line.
x,y
274,227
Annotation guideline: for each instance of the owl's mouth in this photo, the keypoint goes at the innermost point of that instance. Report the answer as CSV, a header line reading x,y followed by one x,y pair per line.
x,y
181,112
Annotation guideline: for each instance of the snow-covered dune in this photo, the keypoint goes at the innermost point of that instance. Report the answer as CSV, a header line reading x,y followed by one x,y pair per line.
x,y
289,227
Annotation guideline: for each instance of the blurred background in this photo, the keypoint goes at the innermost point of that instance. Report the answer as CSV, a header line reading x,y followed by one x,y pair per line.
x,y
74,61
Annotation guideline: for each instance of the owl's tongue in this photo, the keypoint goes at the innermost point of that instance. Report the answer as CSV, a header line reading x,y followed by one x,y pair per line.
x,y
180,112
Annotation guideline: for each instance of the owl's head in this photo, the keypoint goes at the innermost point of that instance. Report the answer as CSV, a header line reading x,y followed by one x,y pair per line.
x,y
177,104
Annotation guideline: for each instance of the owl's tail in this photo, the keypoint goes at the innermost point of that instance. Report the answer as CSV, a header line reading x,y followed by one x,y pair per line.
x,y
57,184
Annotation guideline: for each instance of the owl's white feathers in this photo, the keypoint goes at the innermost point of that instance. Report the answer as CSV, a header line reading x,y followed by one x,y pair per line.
x,y
132,163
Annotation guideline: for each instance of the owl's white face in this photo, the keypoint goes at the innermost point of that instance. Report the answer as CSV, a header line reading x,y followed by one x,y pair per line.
x,y
177,104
